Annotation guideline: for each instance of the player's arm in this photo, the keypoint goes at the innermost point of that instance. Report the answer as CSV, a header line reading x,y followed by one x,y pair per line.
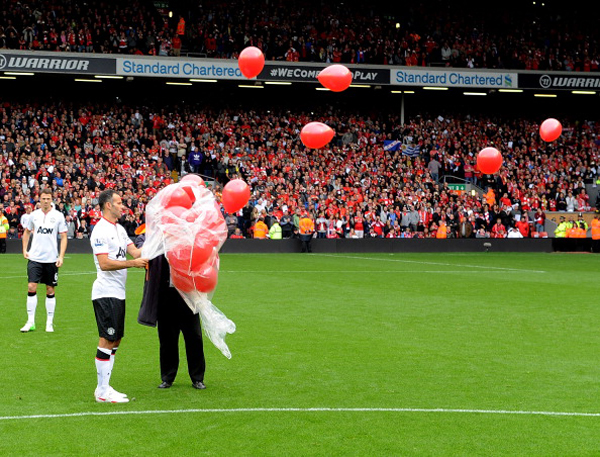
x,y
26,235
63,249
107,264
134,252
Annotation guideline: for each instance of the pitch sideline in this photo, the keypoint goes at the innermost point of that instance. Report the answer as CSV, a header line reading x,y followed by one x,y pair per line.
x,y
302,410
379,259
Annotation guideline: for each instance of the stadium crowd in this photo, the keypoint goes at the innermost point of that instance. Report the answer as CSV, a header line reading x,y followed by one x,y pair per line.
x,y
424,34
363,185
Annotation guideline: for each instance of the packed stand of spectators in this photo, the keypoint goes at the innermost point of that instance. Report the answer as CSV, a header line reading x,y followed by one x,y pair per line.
x,y
452,34
354,188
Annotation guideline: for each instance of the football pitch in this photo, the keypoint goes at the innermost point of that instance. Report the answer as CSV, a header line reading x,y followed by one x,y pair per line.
x,y
358,354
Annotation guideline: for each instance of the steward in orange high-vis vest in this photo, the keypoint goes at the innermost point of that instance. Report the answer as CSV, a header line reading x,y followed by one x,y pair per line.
x,y
596,233
596,227
307,228
260,229
442,232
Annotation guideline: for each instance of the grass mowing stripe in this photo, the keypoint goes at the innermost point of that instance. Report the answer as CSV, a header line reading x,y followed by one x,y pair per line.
x,y
367,271
307,271
427,263
303,410
74,273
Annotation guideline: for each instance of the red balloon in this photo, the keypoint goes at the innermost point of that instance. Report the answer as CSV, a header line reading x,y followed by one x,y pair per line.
x,y
489,160
316,135
173,214
186,259
251,61
187,188
182,282
180,259
190,215
550,130
236,194
335,78
193,179
207,281
178,197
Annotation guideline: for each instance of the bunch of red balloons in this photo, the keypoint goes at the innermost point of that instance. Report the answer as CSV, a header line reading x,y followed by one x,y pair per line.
x,y
194,230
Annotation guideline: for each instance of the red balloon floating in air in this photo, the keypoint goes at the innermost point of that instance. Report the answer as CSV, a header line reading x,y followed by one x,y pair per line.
x,y
550,130
489,160
251,61
236,194
316,135
335,78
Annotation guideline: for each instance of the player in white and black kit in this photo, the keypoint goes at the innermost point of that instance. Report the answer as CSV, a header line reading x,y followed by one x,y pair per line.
x,y
111,245
26,216
46,224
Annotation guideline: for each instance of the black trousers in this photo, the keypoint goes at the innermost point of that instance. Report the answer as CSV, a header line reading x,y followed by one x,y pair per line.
x,y
175,317
306,239
2,245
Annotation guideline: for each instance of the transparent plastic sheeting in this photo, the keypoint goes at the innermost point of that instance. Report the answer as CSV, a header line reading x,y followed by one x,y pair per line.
x,y
184,222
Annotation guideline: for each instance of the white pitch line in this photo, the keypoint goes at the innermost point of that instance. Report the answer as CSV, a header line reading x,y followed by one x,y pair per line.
x,y
302,410
429,263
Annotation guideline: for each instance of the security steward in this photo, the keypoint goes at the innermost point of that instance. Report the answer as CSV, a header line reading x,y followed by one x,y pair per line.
x,y
307,228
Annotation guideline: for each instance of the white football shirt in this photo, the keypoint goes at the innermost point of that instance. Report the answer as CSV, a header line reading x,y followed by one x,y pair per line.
x,y
45,228
25,220
111,239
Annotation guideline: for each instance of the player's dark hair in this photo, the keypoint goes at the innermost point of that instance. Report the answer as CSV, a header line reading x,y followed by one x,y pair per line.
x,y
105,197
46,190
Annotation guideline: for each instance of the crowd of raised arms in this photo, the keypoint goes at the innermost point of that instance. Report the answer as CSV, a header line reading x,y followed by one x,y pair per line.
x,y
353,187
439,33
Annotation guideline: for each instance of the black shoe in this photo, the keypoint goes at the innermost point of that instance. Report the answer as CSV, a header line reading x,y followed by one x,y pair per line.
x,y
198,385
165,385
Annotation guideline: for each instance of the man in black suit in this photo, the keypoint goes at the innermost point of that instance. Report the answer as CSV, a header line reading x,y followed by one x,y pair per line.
x,y
162,303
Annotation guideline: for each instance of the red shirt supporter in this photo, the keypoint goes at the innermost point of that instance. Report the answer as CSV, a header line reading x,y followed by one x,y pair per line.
x,y
378,227
498,230
359,225
95,215
523,227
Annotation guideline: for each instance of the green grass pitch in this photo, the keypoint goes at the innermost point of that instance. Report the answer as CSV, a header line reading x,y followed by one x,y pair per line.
x,y
415,354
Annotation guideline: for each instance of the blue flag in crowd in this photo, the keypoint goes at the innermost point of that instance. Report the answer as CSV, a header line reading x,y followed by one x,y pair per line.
x,y
391,145
411,151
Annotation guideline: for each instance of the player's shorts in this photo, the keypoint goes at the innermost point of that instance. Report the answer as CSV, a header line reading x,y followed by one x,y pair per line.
x,y
42,273
110,317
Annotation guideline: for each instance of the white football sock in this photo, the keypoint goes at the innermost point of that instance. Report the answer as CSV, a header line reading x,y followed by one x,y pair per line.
x,y
112,358
103,369
50,306
31,306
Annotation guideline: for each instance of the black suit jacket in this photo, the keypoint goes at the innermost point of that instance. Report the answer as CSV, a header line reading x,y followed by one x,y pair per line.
x,y
157,284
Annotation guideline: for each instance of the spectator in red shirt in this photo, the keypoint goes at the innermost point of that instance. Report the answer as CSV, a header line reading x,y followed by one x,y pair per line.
x,y
523,225
498,230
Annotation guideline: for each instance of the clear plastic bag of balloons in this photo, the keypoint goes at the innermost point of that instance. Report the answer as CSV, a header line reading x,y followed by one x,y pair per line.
x,y
184,223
